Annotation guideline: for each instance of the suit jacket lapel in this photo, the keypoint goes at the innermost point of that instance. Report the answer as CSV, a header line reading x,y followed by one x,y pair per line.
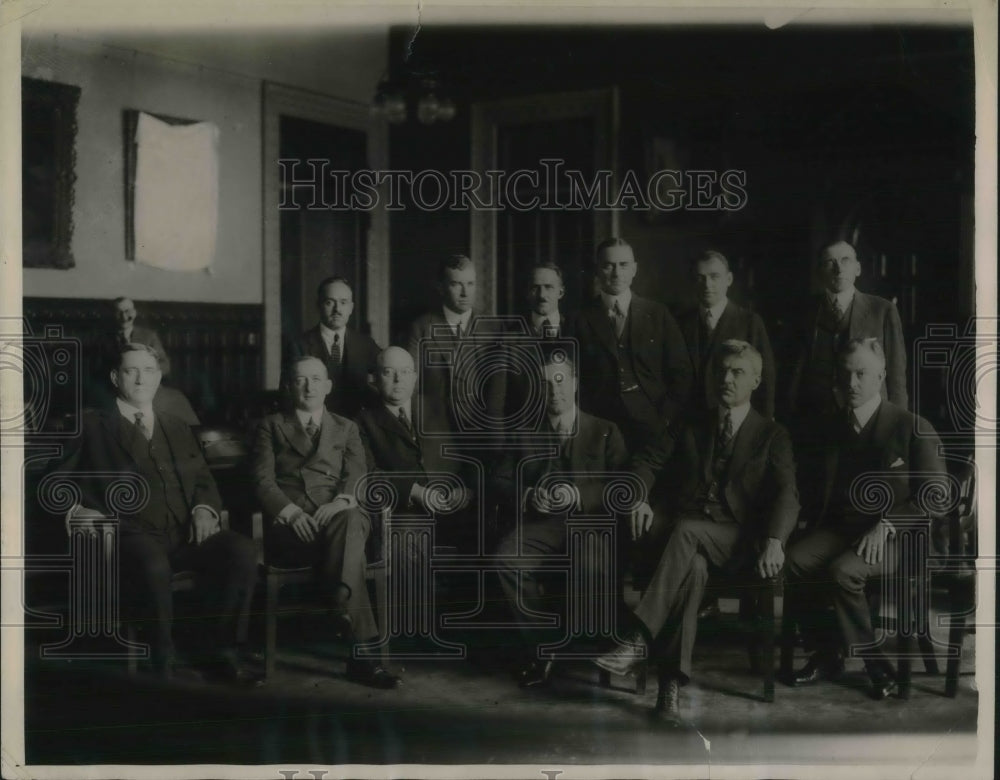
x,y
691,325
296,435
746,437
859,315
392,424
121,430
601,323
707,434
636,321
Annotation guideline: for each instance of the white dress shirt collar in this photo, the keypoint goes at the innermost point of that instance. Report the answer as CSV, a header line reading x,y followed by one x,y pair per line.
x,y
128,411
624,300
327,336
453,319
537,319
565,421
716,310
738,414
861,415
843,299
406,406
304,417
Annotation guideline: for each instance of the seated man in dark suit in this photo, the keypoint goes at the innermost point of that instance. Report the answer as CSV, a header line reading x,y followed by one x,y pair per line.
x,y
847,544
394,444
840,314
306,464
634,367
448,391
178,527
349,355
717,319
736,505
587,445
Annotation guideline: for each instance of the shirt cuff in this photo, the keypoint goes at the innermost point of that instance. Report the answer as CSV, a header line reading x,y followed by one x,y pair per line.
x,y
205,506
349,498
287,513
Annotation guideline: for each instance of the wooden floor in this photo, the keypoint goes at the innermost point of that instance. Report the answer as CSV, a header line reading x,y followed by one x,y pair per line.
x,y
471,712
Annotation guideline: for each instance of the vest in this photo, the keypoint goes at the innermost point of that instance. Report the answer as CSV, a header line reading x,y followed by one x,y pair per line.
x,y
857,456
712,495
623,356
830,337
167,510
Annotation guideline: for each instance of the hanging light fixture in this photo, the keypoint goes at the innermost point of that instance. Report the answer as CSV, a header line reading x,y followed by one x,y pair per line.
x,y
417,94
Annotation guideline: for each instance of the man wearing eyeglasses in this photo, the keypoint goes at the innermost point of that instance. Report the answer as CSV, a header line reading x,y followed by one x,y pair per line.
x,y
399,443
177,526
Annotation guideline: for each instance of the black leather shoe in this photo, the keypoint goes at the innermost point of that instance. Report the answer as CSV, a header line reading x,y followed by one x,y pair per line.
x,y
535,675
627,657
883,685
819,667
343,625
709,610
370,673
668,703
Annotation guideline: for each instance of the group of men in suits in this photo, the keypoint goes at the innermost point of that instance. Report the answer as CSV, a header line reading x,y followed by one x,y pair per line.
x,y
686,405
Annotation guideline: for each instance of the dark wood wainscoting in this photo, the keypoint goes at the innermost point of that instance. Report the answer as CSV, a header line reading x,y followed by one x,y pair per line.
x,y
216,352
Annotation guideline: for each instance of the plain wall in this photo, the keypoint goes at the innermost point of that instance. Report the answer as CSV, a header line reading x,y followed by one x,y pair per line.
x,y
112,80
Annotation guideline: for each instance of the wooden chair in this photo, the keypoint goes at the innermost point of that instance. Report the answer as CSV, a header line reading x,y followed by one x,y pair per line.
x,y
756,597
955,576
276,578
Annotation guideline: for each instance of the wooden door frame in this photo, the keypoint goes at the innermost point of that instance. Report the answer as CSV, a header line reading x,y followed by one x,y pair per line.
x,y
488,117
277,101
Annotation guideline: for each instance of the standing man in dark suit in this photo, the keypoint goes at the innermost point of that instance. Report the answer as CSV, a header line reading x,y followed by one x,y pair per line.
x,y
177,528
850,544
587,445
452,391
634,367
349,355
736,505
128,332
717,319
306,463
843,313
393,446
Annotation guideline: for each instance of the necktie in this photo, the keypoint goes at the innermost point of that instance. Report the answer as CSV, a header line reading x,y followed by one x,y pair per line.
x,y
709,319
837,309
335,353
312,428
549,331
140,423
726,430
618,319
122,338
458,330
405,421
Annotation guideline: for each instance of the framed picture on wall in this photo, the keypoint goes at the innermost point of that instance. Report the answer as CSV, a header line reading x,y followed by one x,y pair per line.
x,y
48,172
